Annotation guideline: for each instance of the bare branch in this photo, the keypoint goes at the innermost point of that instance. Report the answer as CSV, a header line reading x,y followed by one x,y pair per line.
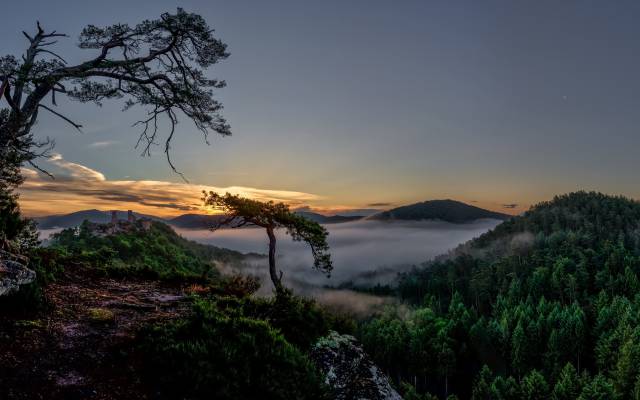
x,y
4,86
44,171
75,125
52,53
167,145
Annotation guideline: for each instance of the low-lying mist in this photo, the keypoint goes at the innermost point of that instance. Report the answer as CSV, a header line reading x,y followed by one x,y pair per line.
x,y
365,253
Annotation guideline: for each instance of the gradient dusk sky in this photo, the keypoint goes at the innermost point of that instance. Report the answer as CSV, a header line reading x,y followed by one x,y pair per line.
x,y
360,104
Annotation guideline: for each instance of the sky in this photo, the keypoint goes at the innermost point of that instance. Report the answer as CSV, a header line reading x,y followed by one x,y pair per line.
x,y
339,105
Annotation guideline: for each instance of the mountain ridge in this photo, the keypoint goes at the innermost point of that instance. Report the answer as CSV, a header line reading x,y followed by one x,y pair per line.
x,y
184,221
76,218
448,210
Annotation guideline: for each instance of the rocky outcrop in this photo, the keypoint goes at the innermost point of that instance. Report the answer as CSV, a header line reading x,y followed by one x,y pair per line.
x,y
349,371
13,273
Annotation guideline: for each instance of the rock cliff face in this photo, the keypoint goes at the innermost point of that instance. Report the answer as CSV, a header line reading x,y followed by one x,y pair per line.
x,y
349,371
13,273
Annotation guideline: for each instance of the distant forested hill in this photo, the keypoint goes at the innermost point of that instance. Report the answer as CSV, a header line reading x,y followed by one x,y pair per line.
x,y
328,219
546,305
445,210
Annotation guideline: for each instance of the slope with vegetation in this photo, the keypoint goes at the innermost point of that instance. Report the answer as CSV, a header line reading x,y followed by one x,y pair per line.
x,y
144,313
445,210
546,305
237,348
158,253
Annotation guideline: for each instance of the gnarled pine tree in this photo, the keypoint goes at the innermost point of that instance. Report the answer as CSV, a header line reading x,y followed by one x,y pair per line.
x,y
241,212
156,64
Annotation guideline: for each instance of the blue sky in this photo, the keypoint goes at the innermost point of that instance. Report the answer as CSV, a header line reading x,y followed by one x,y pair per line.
x,y
360,102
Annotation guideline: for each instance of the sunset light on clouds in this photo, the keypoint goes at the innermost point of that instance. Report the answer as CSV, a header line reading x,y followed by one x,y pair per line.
x,y
77,187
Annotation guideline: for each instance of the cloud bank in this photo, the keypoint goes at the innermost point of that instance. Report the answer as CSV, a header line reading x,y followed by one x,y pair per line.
x,y
77,187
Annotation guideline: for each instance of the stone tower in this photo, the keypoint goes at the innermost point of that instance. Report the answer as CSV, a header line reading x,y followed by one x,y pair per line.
x,y
114,217
130,217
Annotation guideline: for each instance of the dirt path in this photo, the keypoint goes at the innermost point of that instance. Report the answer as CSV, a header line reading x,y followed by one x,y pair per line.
x,y
80,348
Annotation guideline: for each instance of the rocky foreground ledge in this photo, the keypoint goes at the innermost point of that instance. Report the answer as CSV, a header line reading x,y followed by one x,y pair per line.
x,y
13,273
82,345
349,371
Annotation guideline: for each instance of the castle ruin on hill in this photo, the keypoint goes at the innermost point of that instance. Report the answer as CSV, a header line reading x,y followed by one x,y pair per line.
x,y
115,225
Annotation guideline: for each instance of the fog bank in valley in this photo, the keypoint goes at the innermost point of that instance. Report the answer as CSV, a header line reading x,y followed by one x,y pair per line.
x,y
364,252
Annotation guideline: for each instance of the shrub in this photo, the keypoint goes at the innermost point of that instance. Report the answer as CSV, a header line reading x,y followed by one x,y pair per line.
x,y
240,285
301,320
226,356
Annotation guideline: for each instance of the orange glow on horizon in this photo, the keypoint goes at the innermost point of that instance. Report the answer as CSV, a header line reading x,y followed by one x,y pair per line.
x,y
80,188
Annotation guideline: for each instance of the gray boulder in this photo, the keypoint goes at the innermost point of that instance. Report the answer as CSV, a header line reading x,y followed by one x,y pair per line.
x,y
349,371
13,273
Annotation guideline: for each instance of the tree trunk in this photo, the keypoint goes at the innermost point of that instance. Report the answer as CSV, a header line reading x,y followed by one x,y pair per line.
x,y
273,272
446,385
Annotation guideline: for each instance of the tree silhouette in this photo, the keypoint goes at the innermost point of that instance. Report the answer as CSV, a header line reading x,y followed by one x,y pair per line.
x,y
156,64
241,212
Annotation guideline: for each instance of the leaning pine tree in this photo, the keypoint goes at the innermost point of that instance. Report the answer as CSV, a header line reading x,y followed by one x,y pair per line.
x,y
241,212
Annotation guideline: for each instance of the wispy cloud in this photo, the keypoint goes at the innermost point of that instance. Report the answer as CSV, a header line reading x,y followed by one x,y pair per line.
x,y
106,143
379,204
79,187
510,206
76,171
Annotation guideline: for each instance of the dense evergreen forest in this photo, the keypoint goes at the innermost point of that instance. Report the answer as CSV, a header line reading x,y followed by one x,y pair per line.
x,y
546,305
